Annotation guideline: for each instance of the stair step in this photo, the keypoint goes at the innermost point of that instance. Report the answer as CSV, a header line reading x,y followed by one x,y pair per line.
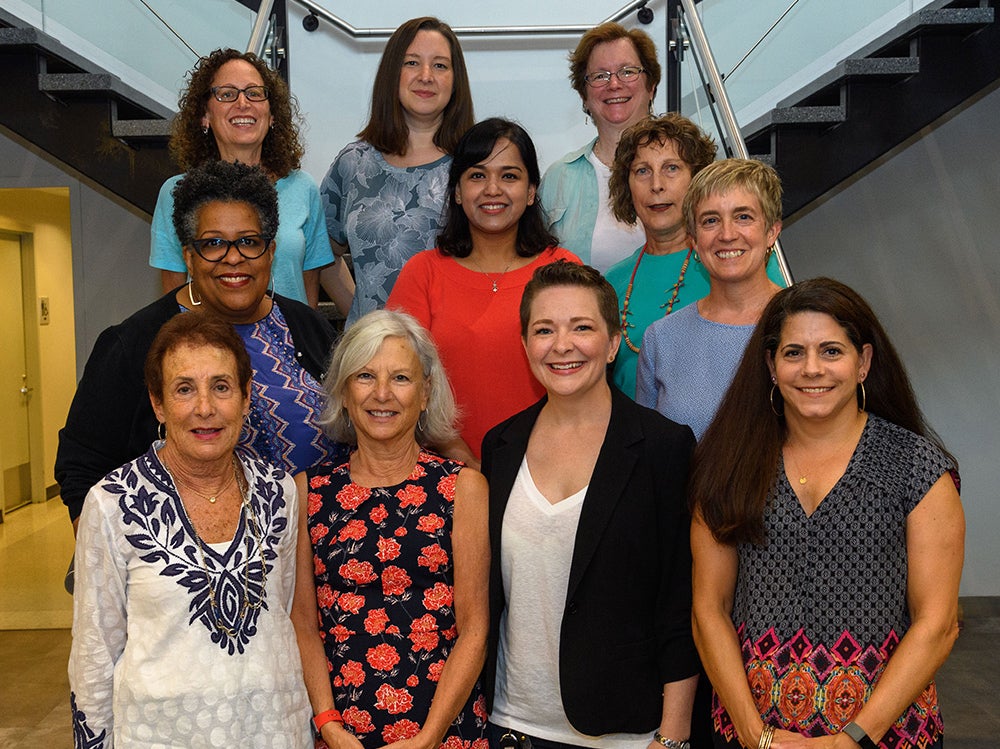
x,y
805,116
141,129
953,17
878,66
78,83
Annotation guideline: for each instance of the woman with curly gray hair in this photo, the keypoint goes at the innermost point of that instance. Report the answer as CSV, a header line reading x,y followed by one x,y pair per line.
x,y
391,552
236,109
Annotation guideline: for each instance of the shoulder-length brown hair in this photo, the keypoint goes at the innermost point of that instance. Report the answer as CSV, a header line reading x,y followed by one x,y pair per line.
x,y
386,129
736,462
281,151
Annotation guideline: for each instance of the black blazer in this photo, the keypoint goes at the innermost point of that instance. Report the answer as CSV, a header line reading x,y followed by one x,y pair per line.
x,y
626,629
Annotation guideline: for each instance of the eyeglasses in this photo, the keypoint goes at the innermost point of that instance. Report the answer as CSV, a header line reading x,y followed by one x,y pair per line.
x,y
602,78
214,249
229,94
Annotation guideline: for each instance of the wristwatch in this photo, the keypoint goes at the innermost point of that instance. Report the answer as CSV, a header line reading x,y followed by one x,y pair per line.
x,y
670,743
861,738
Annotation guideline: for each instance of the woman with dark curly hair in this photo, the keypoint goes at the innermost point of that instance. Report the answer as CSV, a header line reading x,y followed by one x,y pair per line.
x,y
466,292
235,108
384,195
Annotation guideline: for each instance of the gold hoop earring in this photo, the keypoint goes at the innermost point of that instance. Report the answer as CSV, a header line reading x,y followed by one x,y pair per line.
x,y
191,295
864,397
774,410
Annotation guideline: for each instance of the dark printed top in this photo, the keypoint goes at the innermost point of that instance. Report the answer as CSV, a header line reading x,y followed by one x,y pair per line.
x,y
821,606
384,584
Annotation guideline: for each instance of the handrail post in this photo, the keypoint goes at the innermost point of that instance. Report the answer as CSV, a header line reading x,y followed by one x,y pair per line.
x,y
675,56
717,94
258,34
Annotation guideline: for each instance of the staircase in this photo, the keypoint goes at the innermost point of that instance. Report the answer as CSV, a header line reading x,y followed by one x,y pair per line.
x,y
874,101
82,116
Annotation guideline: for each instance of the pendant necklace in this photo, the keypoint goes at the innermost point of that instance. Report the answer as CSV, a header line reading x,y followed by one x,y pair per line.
x,y
674,293
492,280
214,496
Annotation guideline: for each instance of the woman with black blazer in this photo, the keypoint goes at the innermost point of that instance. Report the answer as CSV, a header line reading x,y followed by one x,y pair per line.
x,y
590,588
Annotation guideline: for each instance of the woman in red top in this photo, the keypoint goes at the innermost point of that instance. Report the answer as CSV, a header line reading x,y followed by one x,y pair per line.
x,y
466,292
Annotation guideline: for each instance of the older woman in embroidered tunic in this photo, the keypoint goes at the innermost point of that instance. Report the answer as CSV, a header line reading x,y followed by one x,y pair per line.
x,y
185,565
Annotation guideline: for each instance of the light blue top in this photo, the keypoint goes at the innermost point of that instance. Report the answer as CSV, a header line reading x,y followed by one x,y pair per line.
x,y
569,195
686,365
301,243
385,214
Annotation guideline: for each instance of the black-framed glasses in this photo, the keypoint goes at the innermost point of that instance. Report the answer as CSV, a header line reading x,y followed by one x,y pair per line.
x,y
214,249
229,94
602,78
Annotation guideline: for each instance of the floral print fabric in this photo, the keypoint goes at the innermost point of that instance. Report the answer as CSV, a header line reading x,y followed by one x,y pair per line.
x,y
384,585
385,214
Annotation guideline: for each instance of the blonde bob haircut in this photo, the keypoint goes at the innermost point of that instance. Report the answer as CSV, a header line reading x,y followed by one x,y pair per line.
x,y
718,178
358,346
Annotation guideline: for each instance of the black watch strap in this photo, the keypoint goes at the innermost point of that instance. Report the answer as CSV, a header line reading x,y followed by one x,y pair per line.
x,y
861,738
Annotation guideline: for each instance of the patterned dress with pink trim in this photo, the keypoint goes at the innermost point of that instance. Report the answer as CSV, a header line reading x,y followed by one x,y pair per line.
x,y
384,583
821,606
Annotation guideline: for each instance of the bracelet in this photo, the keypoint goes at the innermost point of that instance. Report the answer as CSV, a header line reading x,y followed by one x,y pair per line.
x,y
766,737
327,716
670,743
857,733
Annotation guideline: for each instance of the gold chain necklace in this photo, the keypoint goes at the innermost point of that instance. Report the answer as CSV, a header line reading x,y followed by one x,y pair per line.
x,y
675,292
214,496
246,604
254,536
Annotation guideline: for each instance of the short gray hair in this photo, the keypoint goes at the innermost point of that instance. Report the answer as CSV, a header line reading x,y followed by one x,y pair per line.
x,y
358,346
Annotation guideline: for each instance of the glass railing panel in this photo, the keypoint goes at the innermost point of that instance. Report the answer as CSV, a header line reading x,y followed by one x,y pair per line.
x,y
762,65
149,44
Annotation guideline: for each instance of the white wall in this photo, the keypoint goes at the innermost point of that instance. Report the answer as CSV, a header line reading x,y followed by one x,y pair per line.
x,y
916,235
111,273
520,78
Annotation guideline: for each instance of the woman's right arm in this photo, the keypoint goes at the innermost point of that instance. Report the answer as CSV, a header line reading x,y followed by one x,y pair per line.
x,y
714,583
165,251
99,624
337,281
305,620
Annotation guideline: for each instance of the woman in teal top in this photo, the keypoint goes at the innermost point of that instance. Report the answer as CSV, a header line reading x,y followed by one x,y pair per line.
x,y
235,108
654,165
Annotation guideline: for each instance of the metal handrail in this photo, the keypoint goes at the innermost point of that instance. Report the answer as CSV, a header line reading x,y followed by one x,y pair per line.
x,y
717,94
557,30
258,35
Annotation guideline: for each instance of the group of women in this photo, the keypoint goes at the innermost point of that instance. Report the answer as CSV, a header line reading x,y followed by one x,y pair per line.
x,y
464,531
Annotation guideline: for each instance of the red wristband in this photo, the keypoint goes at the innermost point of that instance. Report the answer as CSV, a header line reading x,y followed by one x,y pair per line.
x,y
328,716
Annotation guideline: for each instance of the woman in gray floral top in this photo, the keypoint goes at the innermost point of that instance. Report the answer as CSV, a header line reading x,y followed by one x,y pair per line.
x,y
384,194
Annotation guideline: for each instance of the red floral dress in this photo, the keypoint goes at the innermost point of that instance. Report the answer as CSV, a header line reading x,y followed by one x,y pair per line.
x,y
384,582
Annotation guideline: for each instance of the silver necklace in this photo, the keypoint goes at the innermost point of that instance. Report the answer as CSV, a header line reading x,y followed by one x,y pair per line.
x,y
496,280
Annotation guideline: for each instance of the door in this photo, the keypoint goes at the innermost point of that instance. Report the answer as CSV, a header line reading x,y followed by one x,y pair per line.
x,y
15,390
